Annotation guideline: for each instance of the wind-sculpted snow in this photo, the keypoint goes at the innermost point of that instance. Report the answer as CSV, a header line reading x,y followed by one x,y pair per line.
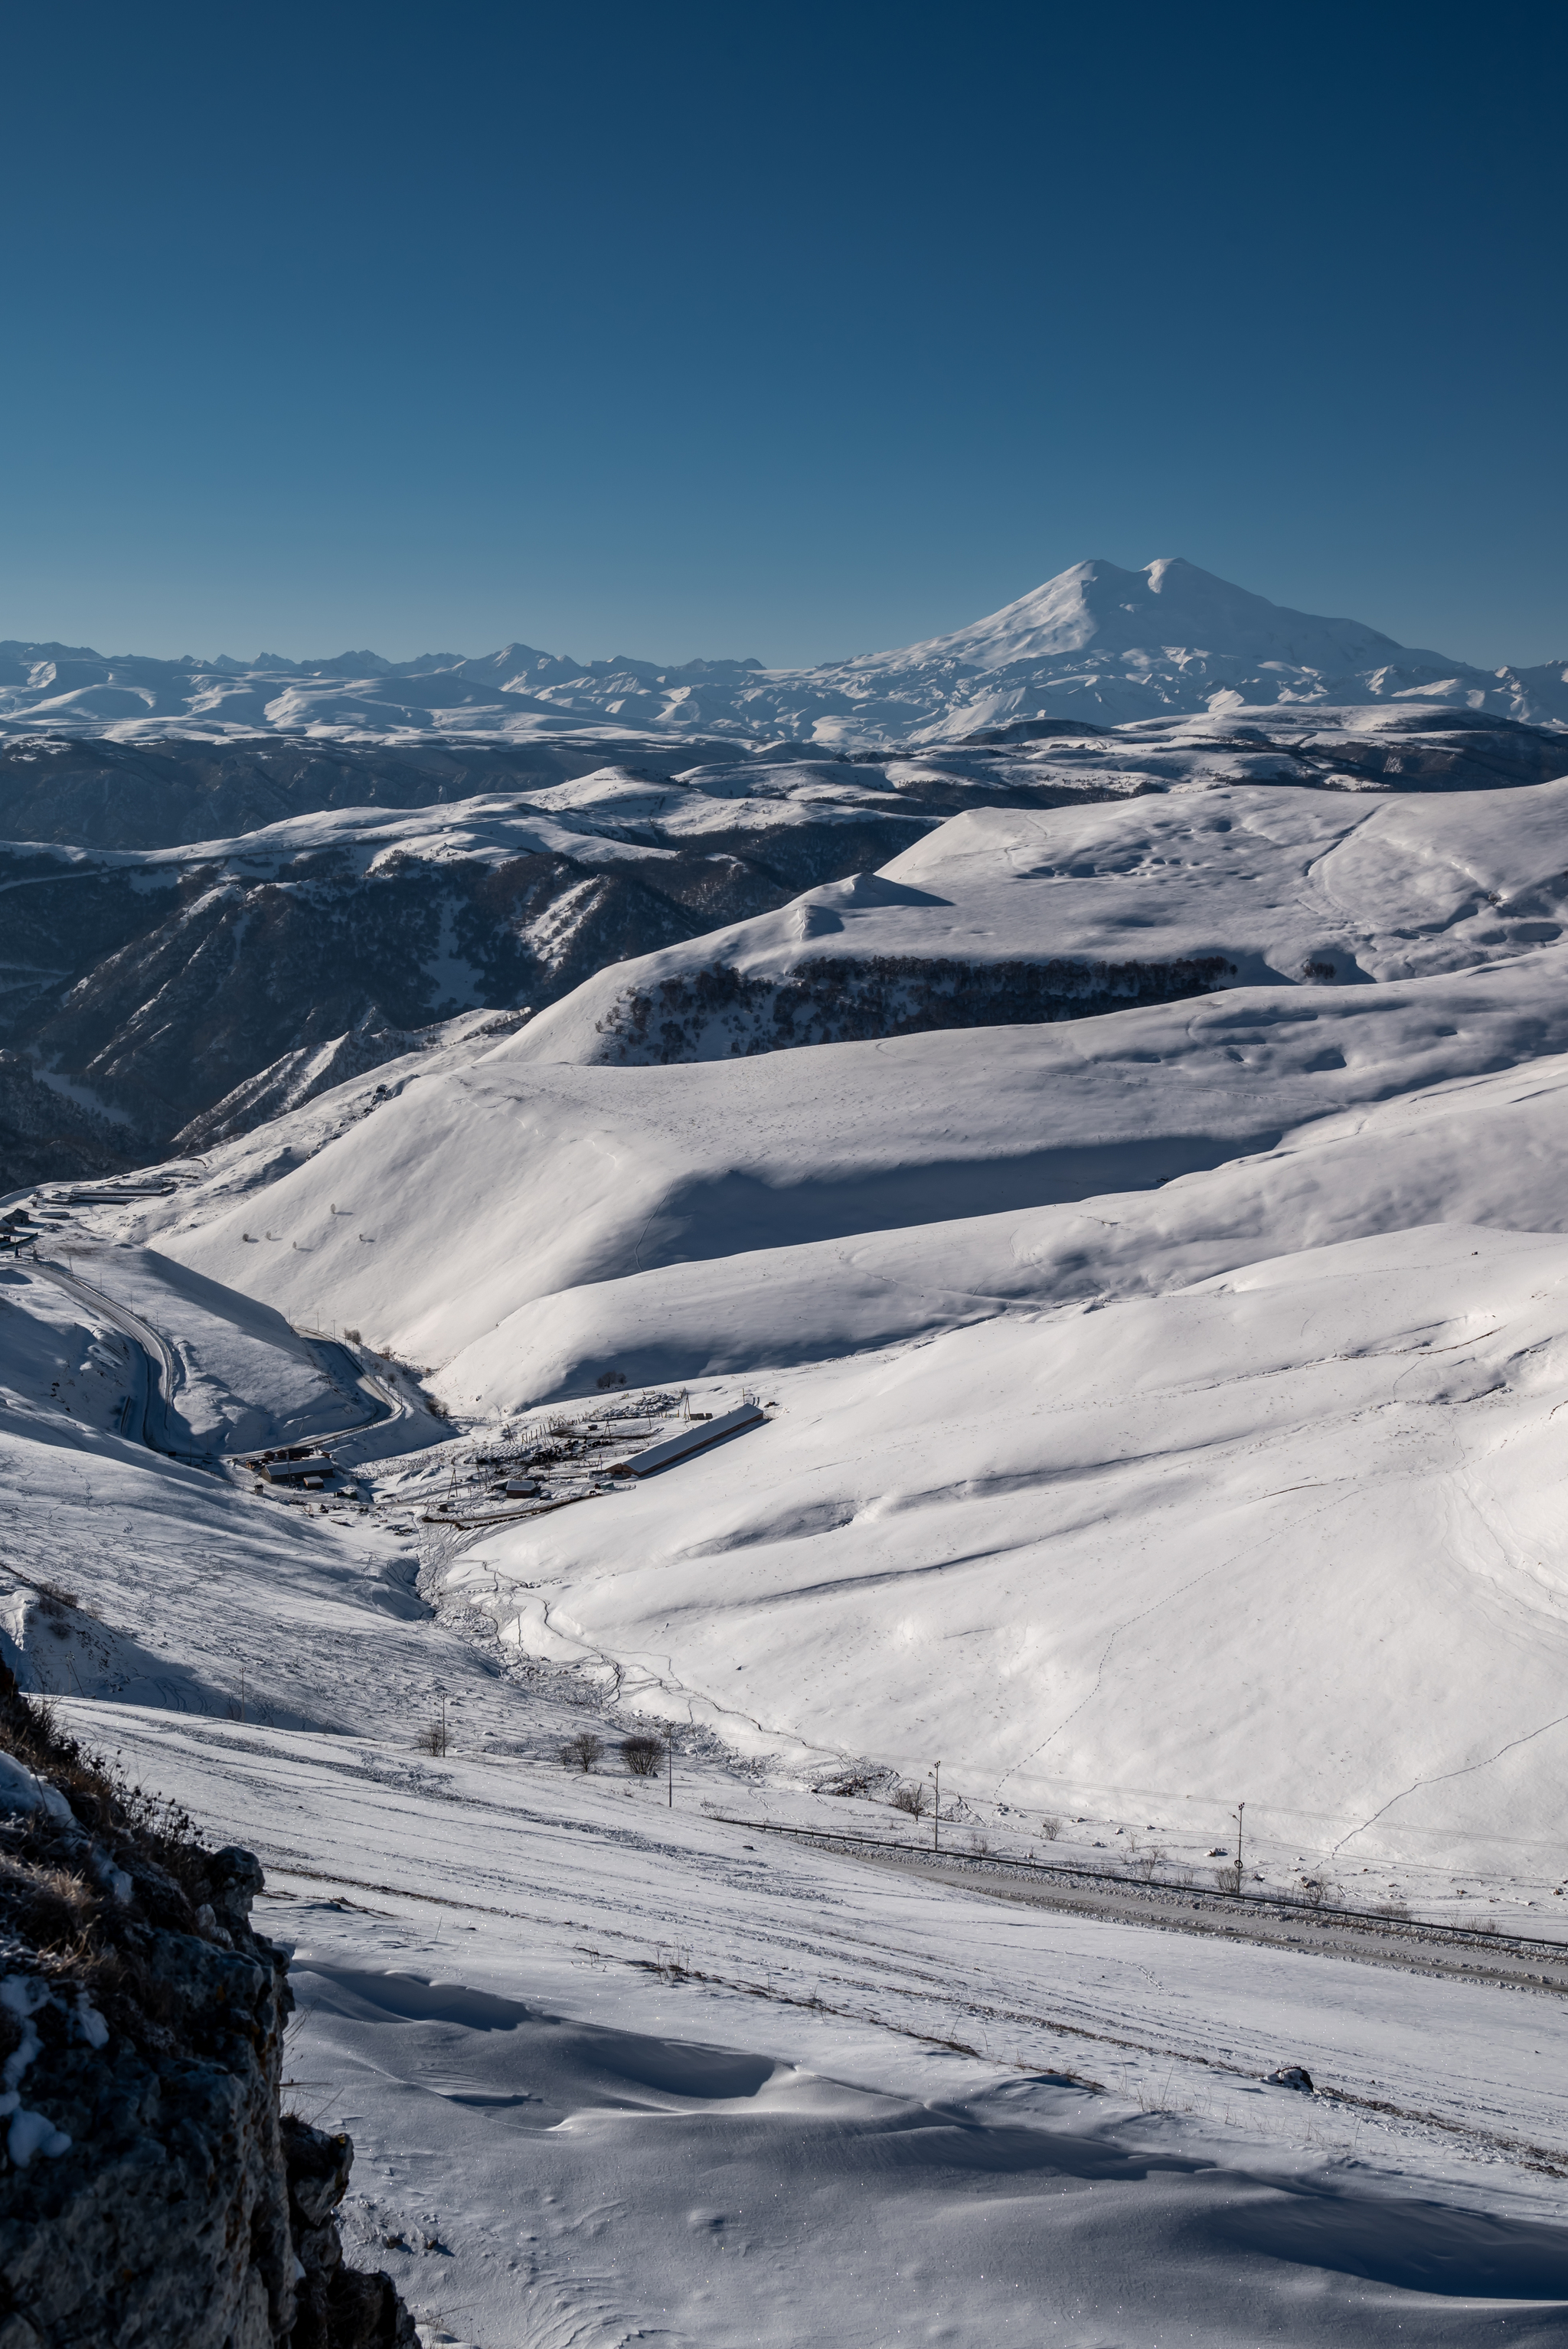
x,y
1097,644
1002,917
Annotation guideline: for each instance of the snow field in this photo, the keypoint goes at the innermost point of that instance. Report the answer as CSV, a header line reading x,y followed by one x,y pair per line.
x,y
610,2070
1481,1149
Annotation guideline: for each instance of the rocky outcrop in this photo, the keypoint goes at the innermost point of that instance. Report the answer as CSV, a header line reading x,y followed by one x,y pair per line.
x,y
335,2307
717,1011
152,2192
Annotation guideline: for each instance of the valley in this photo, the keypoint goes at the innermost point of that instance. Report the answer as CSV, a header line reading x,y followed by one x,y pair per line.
x,y
1102,1863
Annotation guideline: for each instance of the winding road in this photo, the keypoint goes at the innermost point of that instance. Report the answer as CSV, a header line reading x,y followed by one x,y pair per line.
x,y
157,1369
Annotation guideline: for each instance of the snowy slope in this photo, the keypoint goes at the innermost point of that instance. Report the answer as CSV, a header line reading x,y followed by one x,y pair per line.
x,y
1010,915
608,2065
474,1192
1480,1150
671,2074
1121,1556
1171,603
1096,643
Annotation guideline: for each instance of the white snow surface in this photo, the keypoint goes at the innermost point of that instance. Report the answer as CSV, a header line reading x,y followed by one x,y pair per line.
x,y
1260,884
614,2070
1096,643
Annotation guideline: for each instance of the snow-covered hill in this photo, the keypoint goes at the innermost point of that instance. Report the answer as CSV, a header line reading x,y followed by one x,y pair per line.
x,y
553,1185
1004,917
1121,1554
1096,643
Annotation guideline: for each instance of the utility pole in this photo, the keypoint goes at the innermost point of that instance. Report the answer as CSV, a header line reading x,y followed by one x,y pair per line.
x,y
1237,1815
936,1811
670,1760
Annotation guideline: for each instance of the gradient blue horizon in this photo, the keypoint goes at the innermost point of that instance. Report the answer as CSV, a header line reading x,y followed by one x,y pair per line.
x,y
789,334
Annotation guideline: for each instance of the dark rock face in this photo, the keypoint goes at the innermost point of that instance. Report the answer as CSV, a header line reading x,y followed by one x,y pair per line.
x,y
719,1012
335,2307
151,2192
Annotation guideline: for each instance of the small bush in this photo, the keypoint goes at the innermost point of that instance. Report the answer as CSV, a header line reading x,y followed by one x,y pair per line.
x,y
432,1738
913,1800
1050,1827
608,1379
641,1755
580,1753
1228,1879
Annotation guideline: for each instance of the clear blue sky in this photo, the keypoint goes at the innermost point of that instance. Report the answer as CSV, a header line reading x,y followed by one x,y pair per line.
x,y
793,332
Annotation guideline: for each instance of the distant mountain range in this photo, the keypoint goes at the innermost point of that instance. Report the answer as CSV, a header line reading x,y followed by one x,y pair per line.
x,y
1096,644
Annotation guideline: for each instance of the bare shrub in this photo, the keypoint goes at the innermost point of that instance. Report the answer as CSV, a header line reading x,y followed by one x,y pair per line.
x,y
913,1800
1146,1865
846,1782
979,1842
608,1379
1229,1878
643,1755
1314,1891
53,1907
580,1753
432,1738
1050,1827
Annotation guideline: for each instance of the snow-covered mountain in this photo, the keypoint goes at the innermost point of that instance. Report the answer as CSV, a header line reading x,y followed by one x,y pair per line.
x,y
1097,644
